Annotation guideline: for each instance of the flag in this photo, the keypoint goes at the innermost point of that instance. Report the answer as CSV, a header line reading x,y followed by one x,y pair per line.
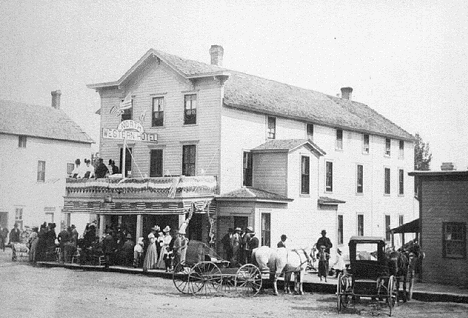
x,y
127,102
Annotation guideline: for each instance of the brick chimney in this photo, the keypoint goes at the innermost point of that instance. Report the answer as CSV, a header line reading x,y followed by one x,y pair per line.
x,y
447,166
347,92
56,99
217,52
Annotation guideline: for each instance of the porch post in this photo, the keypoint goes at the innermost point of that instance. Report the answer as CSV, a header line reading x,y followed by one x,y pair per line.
x,y
139,227
102,223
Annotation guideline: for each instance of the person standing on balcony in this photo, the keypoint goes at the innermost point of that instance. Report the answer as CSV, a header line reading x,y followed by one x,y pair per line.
x,y
77,170
87,171
101,170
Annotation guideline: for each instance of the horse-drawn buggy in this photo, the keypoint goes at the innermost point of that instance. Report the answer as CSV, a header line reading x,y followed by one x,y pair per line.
x,y
204,272
374,272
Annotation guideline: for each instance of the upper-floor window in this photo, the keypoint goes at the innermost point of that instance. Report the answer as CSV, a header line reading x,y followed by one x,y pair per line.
x,y
401,182
387,181
339,139
340,229
41,171
310,131
360,179
127,114
70,167
247,169
305,175
401,153
388,146
329,176
387,227
190,109
158,112
271,129
454,240
22,141
360,224
156,163
188,160
365,144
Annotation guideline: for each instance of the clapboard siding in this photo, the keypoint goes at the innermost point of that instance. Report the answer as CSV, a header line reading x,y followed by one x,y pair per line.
x,y
270,172
442,201
158,80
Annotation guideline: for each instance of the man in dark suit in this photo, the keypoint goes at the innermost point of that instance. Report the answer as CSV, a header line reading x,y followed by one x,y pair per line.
x,y
3,237
15,237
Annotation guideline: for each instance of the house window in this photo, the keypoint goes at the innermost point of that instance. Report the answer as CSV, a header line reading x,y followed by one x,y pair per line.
x,y
127,114
188,160
340,229
365,144
360,225
401,182
305,176
156,163
310,131
41,171
339,139
329,176
360,179
190,109
401,153
388,145
266,228
128,162
271,131
387,181
22,141
158,112
387,227
19,217
247,169
401,221
454,240
70,167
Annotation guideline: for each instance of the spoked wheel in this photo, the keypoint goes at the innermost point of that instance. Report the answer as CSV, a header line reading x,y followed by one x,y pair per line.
x,y
248,280
392,297
343,289
204,277
180,277
339,290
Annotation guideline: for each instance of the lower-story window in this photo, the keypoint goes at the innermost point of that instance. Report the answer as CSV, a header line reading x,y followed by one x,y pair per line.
x,y
454,240
340,229
266,229
360,224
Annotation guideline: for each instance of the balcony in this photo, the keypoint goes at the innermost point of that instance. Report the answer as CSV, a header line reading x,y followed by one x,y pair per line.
x,y
142,188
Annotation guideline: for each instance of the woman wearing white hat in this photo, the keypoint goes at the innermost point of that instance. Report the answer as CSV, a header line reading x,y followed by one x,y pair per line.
x,y
164,261
151,256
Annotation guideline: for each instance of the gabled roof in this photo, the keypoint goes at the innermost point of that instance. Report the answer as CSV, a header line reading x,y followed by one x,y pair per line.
x,y
256,94
252,194
287,145
39,121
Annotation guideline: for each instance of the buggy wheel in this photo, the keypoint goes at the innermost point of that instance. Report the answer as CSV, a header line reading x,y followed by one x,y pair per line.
x,y
392,297
180,277
204,277
339,291
343,289
248,280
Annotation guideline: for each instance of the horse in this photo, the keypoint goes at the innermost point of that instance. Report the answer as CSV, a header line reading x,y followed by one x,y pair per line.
x,y
398,266
282,260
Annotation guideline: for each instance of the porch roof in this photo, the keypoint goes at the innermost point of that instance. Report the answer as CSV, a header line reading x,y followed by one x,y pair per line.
x,y
252,194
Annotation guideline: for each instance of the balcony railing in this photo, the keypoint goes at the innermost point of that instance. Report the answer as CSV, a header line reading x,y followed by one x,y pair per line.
x,y
155,187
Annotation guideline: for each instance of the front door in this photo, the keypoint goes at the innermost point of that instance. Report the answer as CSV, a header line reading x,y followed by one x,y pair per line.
x,y
4,219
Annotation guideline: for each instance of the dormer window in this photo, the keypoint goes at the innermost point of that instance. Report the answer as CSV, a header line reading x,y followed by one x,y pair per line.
x,y
271,129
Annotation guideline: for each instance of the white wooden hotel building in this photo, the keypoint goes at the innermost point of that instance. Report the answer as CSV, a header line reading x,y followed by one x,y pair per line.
x,y
240,150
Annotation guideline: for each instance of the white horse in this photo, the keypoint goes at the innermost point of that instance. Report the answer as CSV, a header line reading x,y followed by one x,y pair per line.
x,y
282,260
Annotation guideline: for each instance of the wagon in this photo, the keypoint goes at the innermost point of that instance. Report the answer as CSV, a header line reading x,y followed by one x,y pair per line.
x,y
204,272
368,275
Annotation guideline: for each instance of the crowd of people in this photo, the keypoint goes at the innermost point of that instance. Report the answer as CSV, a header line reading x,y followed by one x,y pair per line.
x,y
97,169
238,245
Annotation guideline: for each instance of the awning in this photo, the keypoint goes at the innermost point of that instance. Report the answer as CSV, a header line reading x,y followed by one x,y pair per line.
x,y
410,227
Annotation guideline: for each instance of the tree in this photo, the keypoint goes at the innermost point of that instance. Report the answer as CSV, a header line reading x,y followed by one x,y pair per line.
x,y
422,154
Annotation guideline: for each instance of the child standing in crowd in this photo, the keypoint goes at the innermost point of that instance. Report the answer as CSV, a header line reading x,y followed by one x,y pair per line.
x,y
138,253
339,265
323,258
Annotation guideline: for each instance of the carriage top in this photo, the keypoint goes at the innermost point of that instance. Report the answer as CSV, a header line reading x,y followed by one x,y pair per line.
x,y
367,257
199,252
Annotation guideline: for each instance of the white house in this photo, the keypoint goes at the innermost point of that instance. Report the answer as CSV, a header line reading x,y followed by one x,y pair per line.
x,y
39,146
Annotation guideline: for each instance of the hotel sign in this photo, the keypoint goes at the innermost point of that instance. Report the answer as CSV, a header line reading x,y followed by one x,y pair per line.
x,y
129,130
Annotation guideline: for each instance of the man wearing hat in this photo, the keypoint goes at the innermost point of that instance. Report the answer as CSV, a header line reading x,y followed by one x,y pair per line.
x,y
126,253
235,243
281,243
325,241
252,244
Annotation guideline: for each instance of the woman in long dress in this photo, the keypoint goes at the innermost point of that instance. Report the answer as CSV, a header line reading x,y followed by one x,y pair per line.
x,y
165,254
151,256
33,241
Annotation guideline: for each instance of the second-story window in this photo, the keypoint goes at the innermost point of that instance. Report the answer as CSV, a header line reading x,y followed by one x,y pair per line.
x,y
310,131
401,182
271,129
190,109
247,169
387,228
156,163
305,175
401,153
365,144
360,179
22,141
188,160
339,139
41,171
127,114
158,112
340,229
329,176
388,146
387,181
360,224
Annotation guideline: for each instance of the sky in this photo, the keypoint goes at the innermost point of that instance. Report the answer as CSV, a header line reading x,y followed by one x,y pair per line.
x,y
405,59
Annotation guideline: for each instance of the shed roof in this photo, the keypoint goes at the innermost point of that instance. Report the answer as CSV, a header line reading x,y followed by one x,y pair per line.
x,y
252,194
257,94
39,121
410,227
